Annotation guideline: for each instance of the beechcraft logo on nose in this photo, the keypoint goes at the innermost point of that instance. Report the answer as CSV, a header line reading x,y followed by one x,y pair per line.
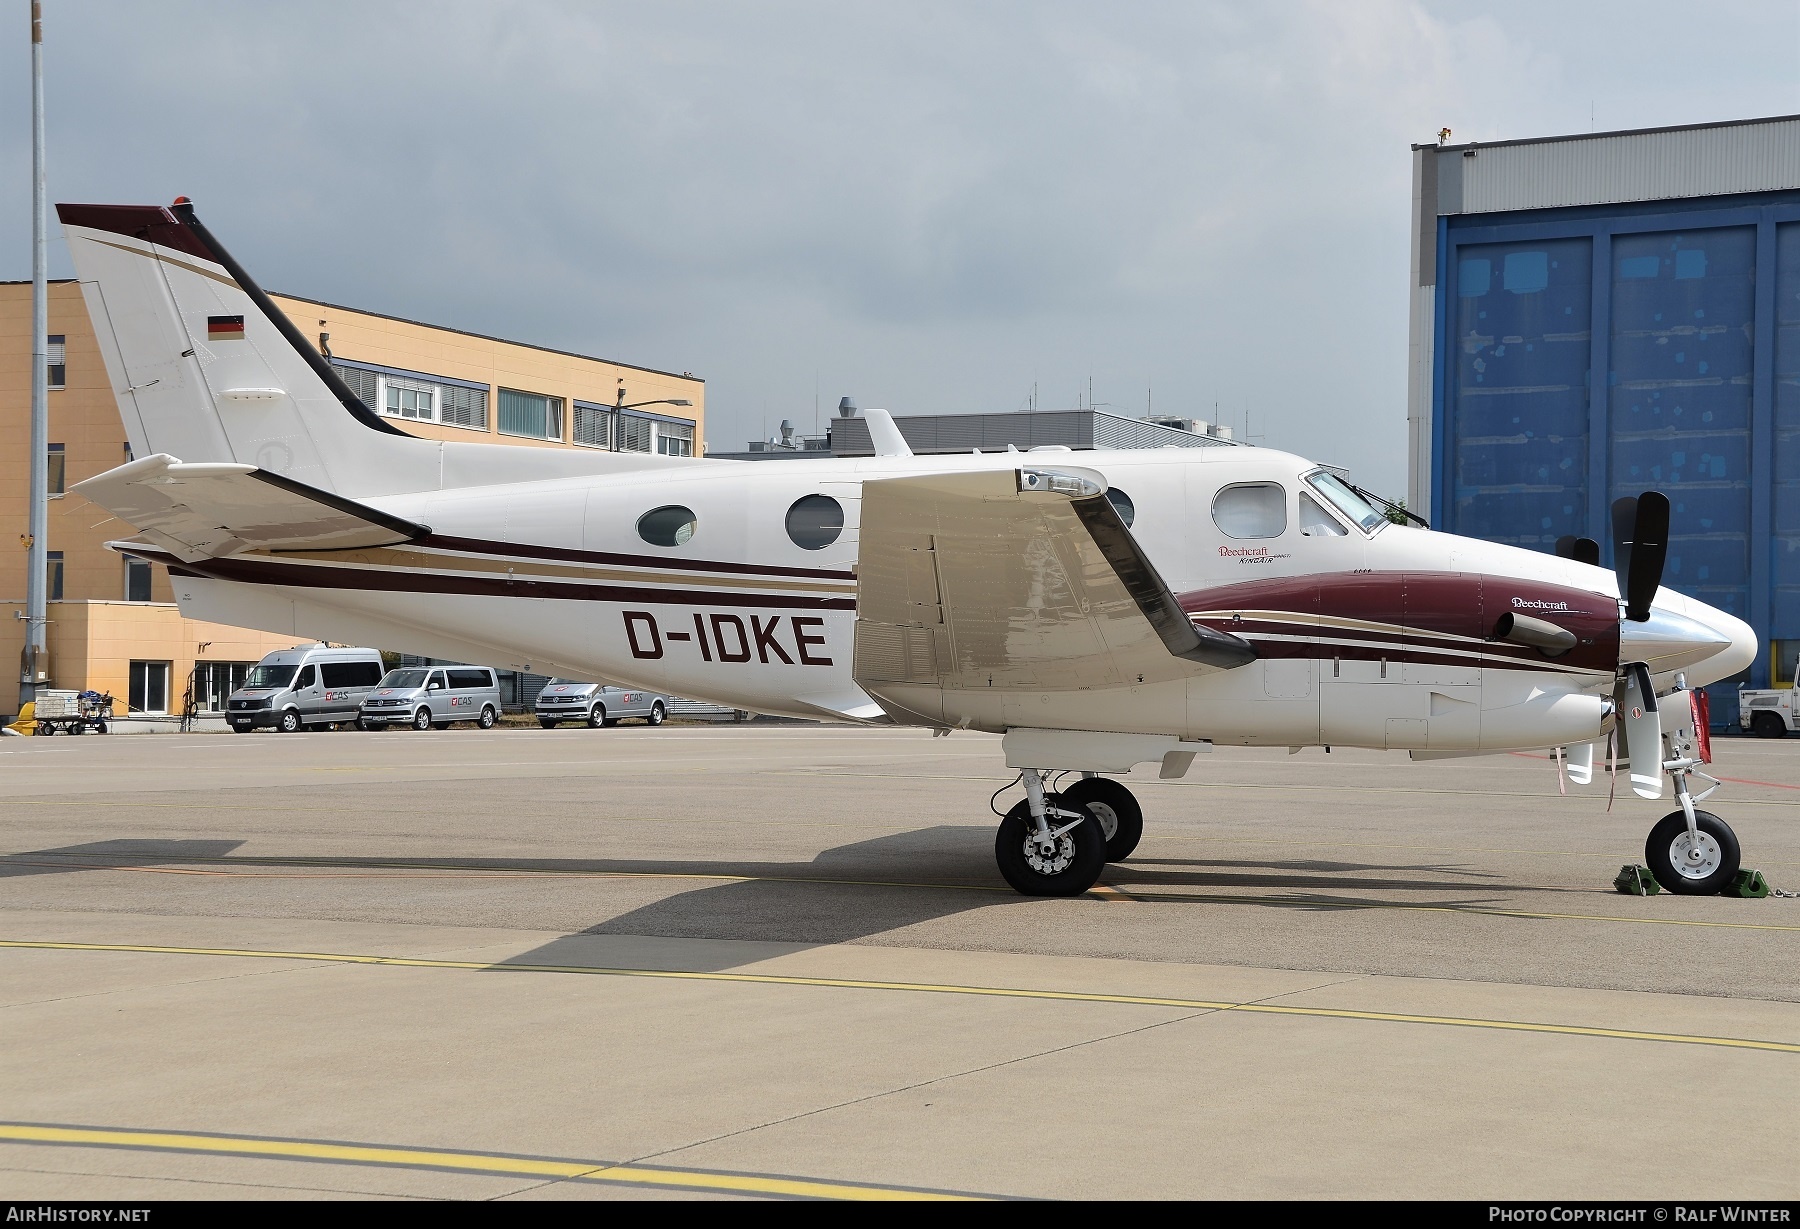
x,y
224,328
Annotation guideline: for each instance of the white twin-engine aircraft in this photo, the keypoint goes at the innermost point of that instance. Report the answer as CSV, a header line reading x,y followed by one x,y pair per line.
x,y
1101,610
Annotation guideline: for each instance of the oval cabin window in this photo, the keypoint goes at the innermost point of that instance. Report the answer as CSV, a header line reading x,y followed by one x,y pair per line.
x,y
1251,510
669,526
815,522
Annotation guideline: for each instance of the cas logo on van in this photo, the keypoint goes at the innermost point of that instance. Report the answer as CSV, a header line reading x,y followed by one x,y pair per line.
x,y
461,701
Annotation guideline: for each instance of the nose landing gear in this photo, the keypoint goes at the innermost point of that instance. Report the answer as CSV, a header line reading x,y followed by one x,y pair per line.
x,y
1691,852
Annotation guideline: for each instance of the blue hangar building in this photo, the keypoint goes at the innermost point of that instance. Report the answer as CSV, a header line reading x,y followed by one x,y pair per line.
x,y
1597,315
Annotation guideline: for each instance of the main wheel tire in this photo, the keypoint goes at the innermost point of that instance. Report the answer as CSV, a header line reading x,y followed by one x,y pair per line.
x,y
489,718
1069,870
656,713
548,725
422,719
289,722
1768,725
1690,867
1121,818
596,716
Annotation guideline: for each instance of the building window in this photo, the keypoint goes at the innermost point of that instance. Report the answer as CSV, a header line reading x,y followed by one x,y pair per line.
x,y
362,383
55,359
636,434
53,574
530,414
149,692
417,396
593,425
402,398
137,580
214,681
675,439
58,470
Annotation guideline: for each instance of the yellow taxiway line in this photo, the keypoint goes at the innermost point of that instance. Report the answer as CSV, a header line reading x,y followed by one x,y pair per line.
x,y
841,983
713,1182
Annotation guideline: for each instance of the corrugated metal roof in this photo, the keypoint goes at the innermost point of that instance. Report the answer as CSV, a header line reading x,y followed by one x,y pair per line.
x,y
1614,168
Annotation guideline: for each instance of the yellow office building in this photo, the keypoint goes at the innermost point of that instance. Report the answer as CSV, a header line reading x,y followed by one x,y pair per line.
x,y
113,624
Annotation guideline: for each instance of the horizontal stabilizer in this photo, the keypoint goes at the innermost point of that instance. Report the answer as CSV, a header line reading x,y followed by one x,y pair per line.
x,y
206,511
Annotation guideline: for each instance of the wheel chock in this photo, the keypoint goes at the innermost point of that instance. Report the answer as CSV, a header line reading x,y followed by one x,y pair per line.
x,y
1635,880
1749,885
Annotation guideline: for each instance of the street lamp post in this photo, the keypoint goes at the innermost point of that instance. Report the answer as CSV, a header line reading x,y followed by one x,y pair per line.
x,y
31,661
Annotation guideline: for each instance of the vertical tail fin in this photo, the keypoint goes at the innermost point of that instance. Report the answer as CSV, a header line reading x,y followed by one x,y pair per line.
x,y
207,369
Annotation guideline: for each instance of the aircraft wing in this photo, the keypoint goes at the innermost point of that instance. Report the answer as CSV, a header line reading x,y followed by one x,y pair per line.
x,y
204,511
1016,578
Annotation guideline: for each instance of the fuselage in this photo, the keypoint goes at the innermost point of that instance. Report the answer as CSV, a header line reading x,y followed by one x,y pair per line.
x,y
1368,633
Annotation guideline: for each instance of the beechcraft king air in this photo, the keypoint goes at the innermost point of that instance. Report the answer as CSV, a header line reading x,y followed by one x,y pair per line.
x,y
1099,610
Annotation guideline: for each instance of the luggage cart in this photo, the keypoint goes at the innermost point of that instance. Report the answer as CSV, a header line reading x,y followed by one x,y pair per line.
x,y
72,712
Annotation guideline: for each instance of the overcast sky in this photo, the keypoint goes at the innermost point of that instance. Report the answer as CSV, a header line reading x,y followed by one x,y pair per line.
x,y
930,207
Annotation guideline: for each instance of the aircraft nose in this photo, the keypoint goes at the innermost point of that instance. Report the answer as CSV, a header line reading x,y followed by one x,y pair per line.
x,y
1687,635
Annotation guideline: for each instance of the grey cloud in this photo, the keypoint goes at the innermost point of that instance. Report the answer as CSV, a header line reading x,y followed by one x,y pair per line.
x,y
929,206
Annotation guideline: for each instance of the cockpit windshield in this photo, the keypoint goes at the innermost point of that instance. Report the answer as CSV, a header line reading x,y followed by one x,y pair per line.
x,y
1347,501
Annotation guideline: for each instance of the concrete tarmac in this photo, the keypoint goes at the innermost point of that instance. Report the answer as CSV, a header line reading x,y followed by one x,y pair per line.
x,y
773,961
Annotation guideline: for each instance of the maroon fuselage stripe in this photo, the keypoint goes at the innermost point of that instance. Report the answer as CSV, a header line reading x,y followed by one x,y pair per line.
x,y
1460,604
257,572
524,550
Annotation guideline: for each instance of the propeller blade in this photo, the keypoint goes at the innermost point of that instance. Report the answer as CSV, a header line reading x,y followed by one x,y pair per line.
x,y
1624,530
1587,551
1640,546
1565,546
1649,550
1643,729
1581,763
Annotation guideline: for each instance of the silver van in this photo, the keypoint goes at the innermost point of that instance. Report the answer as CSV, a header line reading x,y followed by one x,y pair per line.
x,y
309,684
431,697
596,704
571,700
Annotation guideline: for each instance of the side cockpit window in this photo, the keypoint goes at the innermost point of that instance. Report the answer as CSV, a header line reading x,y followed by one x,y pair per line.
x,y
1315,522
1251,510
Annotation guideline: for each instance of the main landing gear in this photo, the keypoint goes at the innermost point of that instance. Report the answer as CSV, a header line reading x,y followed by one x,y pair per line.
x,y
1056,844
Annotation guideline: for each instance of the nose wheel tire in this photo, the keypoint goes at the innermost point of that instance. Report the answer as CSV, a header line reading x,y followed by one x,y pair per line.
x,y
597,716
289,722
1692,865
488,717
422,719
1067,867
656,713
1121,818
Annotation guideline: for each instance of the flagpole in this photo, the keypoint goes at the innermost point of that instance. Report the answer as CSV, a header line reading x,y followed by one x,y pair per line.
x,y
33,660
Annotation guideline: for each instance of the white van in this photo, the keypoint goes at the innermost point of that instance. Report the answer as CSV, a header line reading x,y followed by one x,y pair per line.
x,y
309,684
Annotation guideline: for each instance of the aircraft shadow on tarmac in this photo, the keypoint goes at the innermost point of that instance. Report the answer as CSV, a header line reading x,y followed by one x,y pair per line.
x,y
843,894
99,855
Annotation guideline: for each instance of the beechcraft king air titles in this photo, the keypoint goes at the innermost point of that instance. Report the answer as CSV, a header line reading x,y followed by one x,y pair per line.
x,y
1100,610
